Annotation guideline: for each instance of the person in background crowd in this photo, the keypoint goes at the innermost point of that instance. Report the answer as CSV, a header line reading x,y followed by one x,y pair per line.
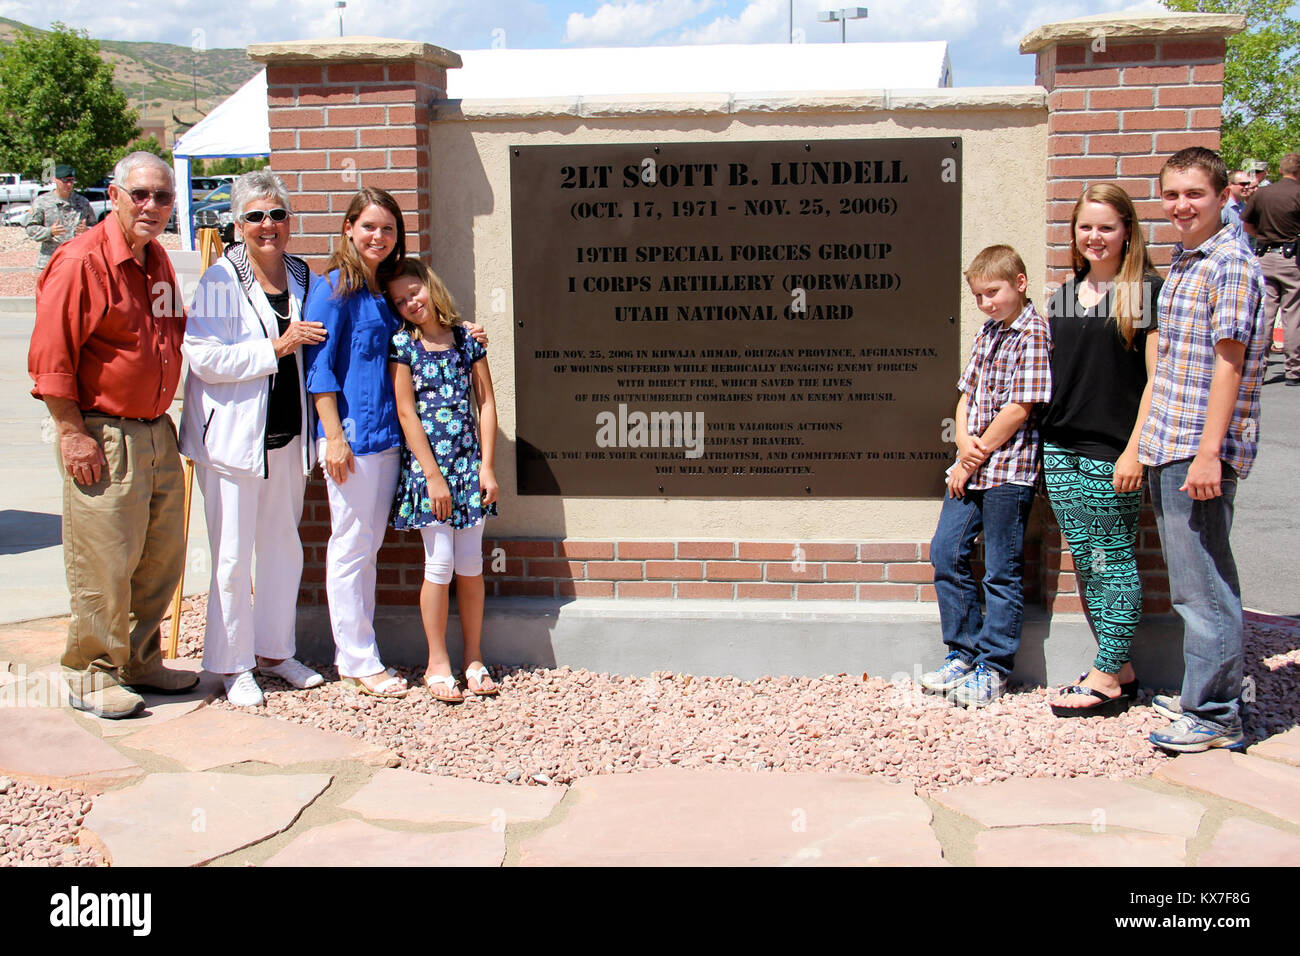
x,y
1272,217
58,215
1238,183
105,357
246,428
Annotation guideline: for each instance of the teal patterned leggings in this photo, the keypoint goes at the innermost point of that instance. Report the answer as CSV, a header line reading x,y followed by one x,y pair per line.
x,y
1100,525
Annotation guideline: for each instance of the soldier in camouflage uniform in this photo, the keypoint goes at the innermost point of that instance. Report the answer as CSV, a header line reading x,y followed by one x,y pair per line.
x,y
58,215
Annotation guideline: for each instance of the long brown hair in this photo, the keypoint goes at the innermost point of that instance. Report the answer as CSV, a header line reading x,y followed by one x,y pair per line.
x,y
444,306
1128,287
352,271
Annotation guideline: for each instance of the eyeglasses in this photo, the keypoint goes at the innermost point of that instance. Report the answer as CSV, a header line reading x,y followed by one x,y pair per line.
x,y
161,197
1241,184
254,216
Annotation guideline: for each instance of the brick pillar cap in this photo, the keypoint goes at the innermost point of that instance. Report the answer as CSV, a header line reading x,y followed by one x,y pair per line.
x,y
1114,27
353,50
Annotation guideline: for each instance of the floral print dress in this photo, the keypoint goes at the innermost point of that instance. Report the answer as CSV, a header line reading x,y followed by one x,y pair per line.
x,y
443,396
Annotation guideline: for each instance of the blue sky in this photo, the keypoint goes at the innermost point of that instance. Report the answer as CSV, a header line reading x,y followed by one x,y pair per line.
x,y
983,34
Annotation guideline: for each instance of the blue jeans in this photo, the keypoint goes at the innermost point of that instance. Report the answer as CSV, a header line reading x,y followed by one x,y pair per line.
x,y
1204,590
1001,513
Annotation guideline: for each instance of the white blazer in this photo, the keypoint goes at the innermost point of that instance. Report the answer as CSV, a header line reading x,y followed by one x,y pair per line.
x,y
232,363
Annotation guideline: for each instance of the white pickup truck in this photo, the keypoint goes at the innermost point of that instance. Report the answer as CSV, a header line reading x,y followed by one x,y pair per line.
x,y
15,189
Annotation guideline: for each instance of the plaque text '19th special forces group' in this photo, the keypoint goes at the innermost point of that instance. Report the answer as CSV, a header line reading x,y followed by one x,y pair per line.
x,y
775,319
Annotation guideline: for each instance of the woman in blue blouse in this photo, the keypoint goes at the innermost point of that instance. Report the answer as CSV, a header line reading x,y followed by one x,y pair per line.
x,y
358,433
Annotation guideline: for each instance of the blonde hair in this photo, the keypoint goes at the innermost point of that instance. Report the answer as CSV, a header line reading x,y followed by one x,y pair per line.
x,y
444,306
1129,289
352,271
1000,263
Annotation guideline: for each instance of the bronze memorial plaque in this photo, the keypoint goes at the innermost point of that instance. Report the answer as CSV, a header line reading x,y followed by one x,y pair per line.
x,y
737,319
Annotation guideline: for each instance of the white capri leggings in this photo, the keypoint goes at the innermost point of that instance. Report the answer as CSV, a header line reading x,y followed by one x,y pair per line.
x,y
449,550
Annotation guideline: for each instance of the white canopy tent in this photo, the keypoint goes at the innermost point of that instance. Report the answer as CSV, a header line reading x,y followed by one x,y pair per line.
x,y
240,126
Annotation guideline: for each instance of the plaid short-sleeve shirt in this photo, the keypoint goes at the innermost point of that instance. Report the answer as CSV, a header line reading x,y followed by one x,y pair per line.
x,y
1213,292
1008,363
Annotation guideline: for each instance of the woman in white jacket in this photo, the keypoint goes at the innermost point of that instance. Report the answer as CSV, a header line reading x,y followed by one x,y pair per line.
x,y
245,426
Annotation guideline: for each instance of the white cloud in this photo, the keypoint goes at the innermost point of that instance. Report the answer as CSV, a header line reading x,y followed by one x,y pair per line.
x,y
631,22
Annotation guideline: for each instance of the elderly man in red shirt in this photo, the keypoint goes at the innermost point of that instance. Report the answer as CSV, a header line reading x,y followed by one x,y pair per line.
x,y
105,357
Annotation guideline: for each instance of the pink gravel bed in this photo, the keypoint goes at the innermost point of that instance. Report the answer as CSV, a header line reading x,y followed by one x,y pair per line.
x,y
554,725
39,826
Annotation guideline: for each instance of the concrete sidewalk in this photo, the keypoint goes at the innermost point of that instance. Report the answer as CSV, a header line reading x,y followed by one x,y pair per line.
x,y
189,785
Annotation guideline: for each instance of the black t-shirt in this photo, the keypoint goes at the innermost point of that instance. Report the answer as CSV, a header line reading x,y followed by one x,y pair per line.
x,y
284,411
1274,211
1097,383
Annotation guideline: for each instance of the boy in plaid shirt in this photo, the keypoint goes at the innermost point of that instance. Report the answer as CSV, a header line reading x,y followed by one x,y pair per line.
x,y
991,485
1200,438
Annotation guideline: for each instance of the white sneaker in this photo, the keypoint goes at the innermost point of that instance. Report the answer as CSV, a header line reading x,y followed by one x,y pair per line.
x,y
294,672
242,689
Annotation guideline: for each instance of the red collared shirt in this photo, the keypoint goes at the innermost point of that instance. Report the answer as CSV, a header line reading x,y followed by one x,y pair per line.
x,y
108,331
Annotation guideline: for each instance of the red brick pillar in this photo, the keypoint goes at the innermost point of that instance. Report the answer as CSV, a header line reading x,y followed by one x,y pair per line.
x,y
344,114
348,113
1123,94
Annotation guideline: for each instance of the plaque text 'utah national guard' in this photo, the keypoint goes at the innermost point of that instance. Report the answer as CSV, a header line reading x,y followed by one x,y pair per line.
x,y
736,319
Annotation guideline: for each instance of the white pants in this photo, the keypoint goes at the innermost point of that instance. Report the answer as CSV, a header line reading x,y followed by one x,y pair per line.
x,y
358,519
449,550
247,517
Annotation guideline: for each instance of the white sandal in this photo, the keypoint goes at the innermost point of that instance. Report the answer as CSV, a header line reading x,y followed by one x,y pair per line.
x,y
449,681
478,673
393,688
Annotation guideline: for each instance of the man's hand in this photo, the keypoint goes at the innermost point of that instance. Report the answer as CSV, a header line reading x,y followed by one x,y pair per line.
x,y
81,227
57,229
1204,478
82,457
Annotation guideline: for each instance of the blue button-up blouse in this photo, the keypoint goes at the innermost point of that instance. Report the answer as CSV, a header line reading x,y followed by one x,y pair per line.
x,y
353,362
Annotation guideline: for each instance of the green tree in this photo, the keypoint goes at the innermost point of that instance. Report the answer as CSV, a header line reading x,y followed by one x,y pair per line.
x,y
58,105
1261,85
149,145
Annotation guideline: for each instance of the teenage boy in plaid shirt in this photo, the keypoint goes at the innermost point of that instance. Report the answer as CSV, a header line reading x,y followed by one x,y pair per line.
x,y
991,485
1199,440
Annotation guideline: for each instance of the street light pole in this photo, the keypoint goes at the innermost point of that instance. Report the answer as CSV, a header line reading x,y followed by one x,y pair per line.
x,y
339,5
843,15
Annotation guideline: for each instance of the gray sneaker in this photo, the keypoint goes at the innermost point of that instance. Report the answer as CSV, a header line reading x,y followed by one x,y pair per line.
x,y
1187,735
101,695
1167,705
953,671
981,688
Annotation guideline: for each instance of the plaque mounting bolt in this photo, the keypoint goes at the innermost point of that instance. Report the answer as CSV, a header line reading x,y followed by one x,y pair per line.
x,y
951,320
807,147
807,489
661,489
954,144
521,323
657,150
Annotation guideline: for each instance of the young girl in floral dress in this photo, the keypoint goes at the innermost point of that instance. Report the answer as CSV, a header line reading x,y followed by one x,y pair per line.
x,y
446,487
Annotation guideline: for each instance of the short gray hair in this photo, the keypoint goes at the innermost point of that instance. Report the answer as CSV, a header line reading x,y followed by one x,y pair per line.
x,y
133,161
259,184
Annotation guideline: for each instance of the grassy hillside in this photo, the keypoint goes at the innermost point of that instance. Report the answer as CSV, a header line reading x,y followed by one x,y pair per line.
x,y
169,75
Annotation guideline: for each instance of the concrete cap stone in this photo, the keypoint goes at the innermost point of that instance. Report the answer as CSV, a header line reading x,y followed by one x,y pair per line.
x,y
357,843
354,49
1120,26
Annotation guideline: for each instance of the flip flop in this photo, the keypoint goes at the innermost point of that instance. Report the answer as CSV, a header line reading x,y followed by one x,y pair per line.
x,y
478,673
393,688
450,683
1109,706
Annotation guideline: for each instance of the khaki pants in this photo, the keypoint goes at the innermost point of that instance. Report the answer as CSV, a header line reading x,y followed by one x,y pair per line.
x,y
1282,300
123,547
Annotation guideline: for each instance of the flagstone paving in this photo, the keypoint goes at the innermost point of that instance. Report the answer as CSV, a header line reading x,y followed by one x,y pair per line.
x,y
47,747
356,843
184,819
270,804
211,738
424,798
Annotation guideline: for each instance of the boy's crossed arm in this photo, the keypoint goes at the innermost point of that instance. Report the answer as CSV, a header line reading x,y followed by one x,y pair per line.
x,y
974,450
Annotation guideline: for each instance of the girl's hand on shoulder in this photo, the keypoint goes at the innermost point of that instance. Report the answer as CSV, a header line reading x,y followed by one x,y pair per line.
x,y
439,496
487,483
338,462
1128,472
479,333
